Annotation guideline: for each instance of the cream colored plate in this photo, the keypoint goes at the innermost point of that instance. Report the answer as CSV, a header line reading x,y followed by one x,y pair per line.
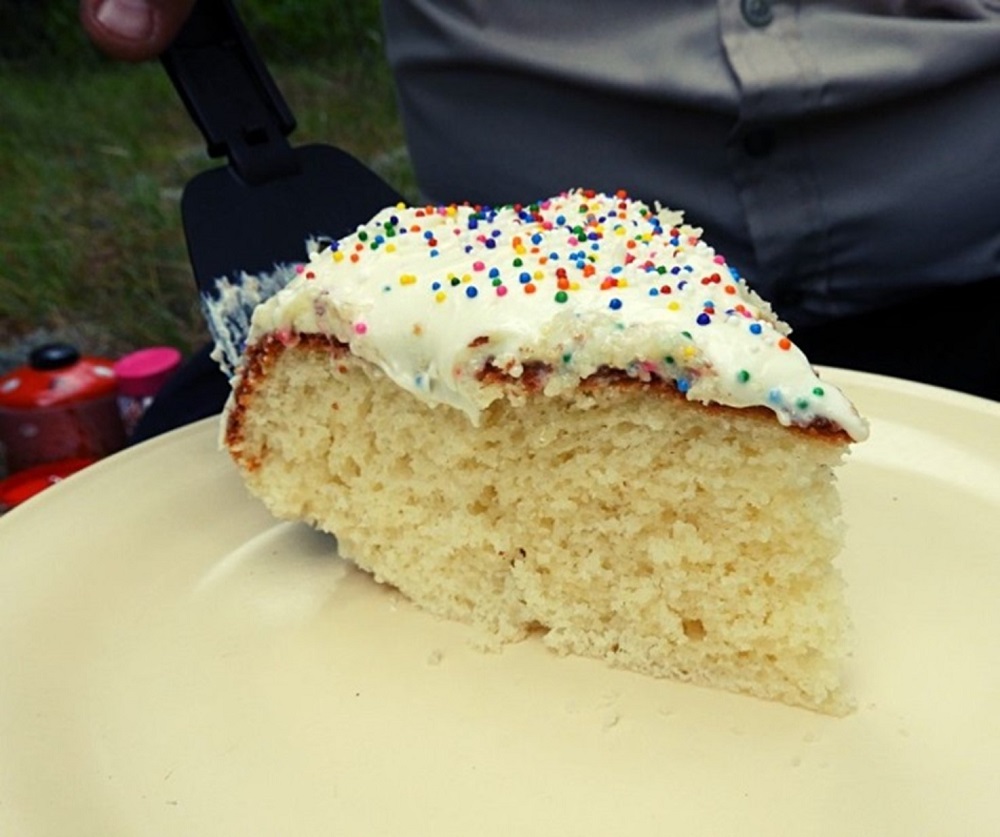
x,y
175,662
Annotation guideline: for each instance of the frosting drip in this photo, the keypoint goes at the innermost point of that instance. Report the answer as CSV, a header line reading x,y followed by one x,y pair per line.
x,y
579,283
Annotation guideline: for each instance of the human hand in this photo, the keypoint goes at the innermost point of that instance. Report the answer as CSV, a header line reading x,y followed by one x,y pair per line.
x,y
133,30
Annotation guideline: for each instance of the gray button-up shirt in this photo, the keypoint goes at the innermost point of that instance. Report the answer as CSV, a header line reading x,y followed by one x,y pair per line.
x,y
842,154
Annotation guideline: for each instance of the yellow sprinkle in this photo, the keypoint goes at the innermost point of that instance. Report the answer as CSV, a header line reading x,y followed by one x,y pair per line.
x,y
673,306
538,274
338,256
619,230
520,250
574,286
440,296
390,248
407,279
623,283
466,278
689,351
401,205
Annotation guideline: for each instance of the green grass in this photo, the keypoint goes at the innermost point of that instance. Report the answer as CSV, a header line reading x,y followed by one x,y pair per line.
x,y
92,163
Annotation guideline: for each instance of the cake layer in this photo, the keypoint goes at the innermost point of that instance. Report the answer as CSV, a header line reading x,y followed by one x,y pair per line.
x,y
617,520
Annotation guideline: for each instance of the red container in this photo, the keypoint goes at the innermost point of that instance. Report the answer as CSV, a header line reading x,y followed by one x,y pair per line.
x,y
60,406
25,484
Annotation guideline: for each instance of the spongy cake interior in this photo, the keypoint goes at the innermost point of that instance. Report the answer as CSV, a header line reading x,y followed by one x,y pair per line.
x,y
620,522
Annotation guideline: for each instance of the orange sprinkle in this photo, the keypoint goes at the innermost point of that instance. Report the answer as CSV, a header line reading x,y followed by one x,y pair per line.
x,y
784,344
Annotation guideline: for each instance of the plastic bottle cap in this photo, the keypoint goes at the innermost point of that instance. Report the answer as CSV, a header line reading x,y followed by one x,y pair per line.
x,y
142,373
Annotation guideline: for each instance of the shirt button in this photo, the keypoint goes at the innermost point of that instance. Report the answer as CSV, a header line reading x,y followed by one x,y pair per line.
x,y
757,12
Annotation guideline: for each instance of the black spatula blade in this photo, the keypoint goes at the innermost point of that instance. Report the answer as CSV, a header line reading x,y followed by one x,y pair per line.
x,y
232,227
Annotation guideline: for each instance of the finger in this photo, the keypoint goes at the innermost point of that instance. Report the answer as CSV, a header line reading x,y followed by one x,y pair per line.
x,y
133,30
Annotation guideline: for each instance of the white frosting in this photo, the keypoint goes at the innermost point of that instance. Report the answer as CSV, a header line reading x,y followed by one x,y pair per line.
x,y
579,283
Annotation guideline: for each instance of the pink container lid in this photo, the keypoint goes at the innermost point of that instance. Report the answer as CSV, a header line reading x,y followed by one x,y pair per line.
x,y
142,373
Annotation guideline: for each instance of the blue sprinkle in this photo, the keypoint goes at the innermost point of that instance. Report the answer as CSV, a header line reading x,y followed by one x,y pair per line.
x,y
774,396
756,328
654,291
471,292
536,238
683,385
436,286
490,243
524,278
615,304
473,223
494,272
704,319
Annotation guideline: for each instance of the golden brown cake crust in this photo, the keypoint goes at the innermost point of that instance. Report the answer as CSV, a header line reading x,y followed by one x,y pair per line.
x,y
265,352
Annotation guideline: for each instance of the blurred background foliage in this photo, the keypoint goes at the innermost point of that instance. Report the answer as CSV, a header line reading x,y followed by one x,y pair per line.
x,y
44,31
94,154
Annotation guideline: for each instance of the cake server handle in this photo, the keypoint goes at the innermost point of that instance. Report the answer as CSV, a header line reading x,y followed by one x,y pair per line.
x,y
229,93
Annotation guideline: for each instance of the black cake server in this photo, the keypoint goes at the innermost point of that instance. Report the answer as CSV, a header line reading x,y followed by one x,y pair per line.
x,y
259,210
246,223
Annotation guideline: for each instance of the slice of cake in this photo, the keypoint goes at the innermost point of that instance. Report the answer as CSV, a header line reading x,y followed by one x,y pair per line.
x,y
569,418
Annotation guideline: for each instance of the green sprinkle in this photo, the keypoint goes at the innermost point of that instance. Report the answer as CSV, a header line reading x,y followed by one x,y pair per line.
x,y
818,392
562,296
743,376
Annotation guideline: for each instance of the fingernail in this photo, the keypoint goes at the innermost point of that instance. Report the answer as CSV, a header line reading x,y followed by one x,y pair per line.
x,y
131,19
